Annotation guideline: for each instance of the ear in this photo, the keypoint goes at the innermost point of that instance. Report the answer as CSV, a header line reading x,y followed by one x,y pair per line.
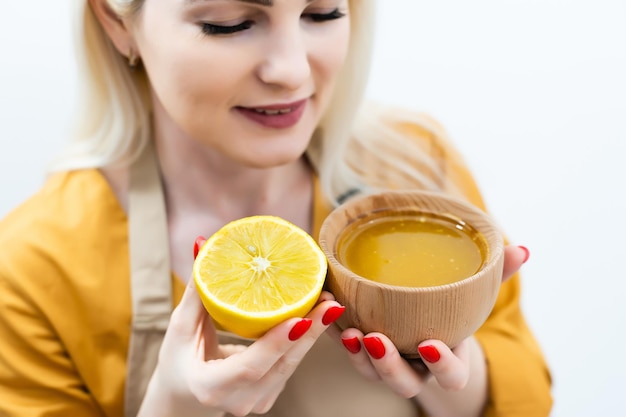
x,y
114,26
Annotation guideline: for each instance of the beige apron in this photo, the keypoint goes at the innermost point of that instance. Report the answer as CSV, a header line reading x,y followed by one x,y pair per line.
x,y
323,373
151,287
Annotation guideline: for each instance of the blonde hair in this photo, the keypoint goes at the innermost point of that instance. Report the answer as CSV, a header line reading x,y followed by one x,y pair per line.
x,y
113,119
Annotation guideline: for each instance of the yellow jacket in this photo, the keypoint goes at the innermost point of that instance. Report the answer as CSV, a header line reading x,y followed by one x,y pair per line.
x,y
65,314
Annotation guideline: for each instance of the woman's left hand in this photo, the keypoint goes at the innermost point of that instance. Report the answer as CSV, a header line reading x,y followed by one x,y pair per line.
x,y
376,357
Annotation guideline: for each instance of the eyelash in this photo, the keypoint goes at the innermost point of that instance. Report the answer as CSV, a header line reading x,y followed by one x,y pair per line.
x,y
212,29
324,17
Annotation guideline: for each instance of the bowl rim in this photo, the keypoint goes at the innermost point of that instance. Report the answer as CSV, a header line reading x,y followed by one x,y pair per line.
x,y
495,251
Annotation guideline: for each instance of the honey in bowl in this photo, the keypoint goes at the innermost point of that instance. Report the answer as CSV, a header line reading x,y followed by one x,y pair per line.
x,y
412,249
410,314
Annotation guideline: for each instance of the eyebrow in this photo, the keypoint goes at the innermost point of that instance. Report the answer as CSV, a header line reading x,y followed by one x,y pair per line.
x,y
261,2
267,3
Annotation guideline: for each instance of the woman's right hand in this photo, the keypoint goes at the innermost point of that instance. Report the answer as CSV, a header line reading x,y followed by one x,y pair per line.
x,y
196,375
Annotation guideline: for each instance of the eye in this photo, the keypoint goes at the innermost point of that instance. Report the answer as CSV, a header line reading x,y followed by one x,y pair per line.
x,y
213,29
324,17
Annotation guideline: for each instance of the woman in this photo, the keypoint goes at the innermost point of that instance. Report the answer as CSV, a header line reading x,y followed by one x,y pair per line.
x,y
198,112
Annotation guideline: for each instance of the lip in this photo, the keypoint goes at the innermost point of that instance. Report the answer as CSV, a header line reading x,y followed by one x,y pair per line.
x,y
287,114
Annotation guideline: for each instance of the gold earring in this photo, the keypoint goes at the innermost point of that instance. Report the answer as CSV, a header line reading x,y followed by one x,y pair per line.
x,y
132,59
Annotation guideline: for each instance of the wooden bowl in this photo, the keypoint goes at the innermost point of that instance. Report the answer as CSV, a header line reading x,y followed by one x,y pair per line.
x,y
409,315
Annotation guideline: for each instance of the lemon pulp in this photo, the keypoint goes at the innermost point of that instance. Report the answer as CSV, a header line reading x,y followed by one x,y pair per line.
x,y
258,271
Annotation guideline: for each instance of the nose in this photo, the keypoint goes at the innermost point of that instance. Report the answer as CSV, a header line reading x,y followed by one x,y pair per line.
x,y
286,60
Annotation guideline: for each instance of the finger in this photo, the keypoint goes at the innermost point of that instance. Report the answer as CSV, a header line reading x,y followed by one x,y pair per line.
x,y
284,364
325,296
231,349
266,351
208,345
391,367
322,316
514,258
190,304
242,370
418,365
352,340
188,314
451,369
235,382
197,244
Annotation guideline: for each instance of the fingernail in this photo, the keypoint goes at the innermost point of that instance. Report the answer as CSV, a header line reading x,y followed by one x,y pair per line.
x,y
374,347
299,329
525,249
429,353
197,245
353,345
332,314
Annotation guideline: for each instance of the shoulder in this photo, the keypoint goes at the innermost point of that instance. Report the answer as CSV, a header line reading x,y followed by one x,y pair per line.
x,y
64,288
59,225
395,147
409,148
66,201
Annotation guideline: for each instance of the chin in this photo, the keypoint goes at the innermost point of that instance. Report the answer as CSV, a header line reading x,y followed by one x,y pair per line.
x,y
271,161
276,153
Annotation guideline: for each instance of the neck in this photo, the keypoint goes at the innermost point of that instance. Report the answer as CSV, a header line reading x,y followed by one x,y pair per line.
x,y
204,190
196,178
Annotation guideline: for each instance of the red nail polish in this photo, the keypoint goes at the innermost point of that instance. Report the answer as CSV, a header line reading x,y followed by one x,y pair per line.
x,y
197,245
429,353
299,329
353,345
332,314
374,347
525,249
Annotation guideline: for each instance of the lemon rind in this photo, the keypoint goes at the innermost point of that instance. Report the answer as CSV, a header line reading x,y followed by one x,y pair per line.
x,y
232,311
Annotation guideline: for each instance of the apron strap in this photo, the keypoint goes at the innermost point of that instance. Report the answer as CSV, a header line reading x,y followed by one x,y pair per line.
x,y
151,285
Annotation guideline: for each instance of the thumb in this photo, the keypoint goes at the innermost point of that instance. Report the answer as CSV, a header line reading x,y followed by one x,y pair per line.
x,y
206,335
514,258
190,312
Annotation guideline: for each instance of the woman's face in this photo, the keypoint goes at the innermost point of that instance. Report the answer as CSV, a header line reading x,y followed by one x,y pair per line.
x,y
249,78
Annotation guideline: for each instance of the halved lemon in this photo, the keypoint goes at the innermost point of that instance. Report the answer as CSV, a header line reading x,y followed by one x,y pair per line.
x,y
257,272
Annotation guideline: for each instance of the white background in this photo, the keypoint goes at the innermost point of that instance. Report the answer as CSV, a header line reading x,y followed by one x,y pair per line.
x,y
533,92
